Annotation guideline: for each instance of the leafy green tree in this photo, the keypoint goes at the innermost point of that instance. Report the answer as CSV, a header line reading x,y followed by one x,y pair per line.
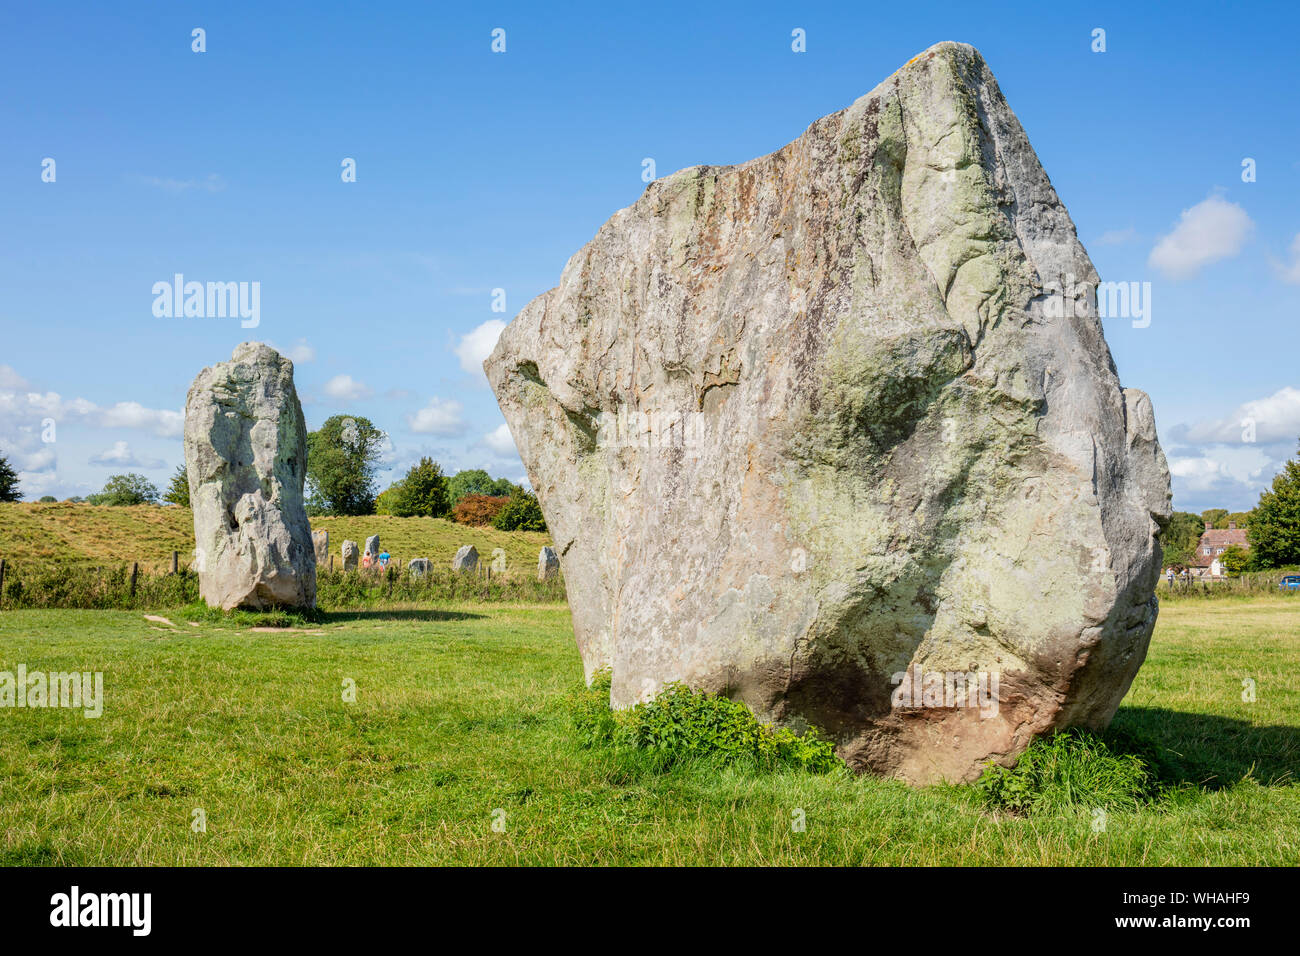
x,y
1240,518
46,499
423,492
1217,517
1181,536
8,482
476,481
1274,529
389,500
1234,559
178,492
341,461
521,513
123,490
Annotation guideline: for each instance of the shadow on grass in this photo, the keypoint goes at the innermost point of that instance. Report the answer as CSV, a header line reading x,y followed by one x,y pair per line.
x,y
1206,750
403,614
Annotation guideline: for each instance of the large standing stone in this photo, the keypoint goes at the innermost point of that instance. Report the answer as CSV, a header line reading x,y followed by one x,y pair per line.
x,y
418,567
548,564
372,546
246,454
320,541
844,413
351,554
466,559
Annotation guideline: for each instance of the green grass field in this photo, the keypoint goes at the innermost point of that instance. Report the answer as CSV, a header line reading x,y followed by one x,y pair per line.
x,y
458,721
73,533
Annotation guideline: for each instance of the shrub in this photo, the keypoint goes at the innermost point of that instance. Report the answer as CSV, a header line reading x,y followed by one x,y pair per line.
x,y
122,490
1073,769
422,492
476,481
521,513
8,482
478,510
72,586
683,724
78,586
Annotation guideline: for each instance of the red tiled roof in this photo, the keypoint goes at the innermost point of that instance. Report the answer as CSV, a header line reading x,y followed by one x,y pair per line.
x,y
1223,538
1217,539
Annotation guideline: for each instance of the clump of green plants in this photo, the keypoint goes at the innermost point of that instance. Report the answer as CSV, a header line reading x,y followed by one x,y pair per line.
x,y
1071,770
682,724
200,613
110,588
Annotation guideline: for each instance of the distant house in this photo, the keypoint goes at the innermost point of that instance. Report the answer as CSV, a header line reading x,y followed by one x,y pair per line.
x,y
1213,543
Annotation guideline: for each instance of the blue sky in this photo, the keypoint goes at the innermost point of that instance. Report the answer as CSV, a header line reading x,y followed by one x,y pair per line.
x,y
478,171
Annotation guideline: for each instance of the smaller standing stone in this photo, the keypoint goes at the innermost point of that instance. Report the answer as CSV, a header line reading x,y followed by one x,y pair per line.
x,y
320,540
466,560
548,564
350,555
372,546
418,567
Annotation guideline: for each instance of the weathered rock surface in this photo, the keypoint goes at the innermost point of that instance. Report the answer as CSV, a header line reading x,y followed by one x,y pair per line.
x,y
466,559
418,566
351,555
320,541
548,564
246,454
372,546
845,412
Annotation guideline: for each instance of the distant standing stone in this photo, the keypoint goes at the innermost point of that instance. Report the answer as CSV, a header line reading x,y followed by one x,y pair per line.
x,y
321,542
372,546
466,560
548,564
418,566
246,456
350,555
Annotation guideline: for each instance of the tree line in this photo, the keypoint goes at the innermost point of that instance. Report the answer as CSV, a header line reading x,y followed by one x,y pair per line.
x,y
343,456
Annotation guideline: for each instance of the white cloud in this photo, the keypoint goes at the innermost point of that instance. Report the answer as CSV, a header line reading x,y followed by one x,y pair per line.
x,y
1197,474
475,347
439,417
27,453
299,354
121,456
1287,271
19,407
162,422
1116,237
1211,230
1275,418
10,379
345,389
499,441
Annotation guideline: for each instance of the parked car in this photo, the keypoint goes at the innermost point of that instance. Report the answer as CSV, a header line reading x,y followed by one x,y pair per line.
x,y
1290,583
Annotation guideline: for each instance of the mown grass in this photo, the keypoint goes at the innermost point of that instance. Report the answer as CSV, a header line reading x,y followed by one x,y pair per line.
x,y
72,533
460,720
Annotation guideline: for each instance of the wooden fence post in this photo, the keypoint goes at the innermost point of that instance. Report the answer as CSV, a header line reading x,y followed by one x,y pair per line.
x,y
135,571
331,562
176,561
2,580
